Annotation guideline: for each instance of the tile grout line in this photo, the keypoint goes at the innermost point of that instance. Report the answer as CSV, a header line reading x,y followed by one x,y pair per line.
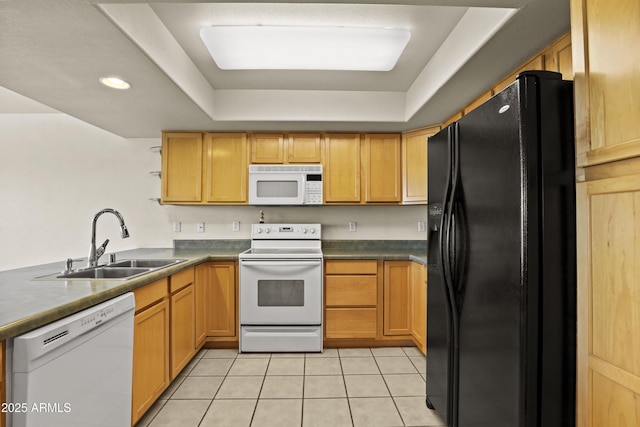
x,y
346,393
395,405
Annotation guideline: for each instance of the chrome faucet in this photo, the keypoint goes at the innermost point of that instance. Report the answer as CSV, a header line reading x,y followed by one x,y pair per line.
x,y
95,254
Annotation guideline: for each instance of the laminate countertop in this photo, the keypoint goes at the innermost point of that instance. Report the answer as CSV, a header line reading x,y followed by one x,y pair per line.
x,y
27,303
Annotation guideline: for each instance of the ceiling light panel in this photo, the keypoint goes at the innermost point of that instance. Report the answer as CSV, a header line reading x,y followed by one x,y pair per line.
x,y
304,48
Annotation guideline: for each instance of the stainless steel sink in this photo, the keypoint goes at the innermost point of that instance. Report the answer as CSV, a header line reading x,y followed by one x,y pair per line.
x,y
105,273
145,263
118,270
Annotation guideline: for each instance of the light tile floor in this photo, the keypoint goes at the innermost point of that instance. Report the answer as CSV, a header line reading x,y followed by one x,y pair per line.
x,y
340,387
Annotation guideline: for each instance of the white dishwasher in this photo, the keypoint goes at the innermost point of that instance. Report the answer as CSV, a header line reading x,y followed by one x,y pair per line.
x,y
75,371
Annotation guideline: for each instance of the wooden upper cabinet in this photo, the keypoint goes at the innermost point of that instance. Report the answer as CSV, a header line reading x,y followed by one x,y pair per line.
x,y
267,148
209,169
559,57
414,165
226,168
291,148
304,148
606,38
381,168
341,174
182,167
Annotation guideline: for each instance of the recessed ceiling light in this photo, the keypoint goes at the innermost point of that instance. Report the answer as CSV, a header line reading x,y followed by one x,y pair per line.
x,y
305,48
114,82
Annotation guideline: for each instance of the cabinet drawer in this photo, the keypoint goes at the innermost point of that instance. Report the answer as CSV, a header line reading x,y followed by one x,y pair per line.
x,y
350,323
343,291
181,279
352,267
149,294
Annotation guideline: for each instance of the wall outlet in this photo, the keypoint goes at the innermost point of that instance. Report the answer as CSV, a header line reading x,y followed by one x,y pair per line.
x,y
353,225
422,226
200,227
235,226
176,226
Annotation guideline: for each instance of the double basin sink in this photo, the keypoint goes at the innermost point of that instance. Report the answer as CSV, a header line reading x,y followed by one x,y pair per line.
x,y
119,270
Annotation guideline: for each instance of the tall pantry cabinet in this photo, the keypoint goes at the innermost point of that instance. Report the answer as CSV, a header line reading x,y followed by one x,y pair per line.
x,y
606,61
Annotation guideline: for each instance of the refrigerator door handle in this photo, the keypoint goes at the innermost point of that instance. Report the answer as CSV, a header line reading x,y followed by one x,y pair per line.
x,y
458,227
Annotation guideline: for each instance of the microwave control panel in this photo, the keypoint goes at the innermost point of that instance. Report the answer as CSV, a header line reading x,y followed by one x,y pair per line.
x,y
313,193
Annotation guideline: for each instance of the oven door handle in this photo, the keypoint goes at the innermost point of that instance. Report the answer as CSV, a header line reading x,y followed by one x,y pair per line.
x,y
280,263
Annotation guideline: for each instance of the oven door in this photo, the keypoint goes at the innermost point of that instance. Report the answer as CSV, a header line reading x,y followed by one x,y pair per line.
x,y
281,292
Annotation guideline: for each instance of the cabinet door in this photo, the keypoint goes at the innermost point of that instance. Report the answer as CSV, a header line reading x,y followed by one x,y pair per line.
x,y
381,168
227,170
181,167
200,285
342,168
396,302
304,148
608,356
414,165
182,329
221,299
150,357
607,87
267,148
559,57
419,306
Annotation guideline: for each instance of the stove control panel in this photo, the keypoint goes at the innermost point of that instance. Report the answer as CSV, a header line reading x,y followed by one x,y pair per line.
x,y
286,231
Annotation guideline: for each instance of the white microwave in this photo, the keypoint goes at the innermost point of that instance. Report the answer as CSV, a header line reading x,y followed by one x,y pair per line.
x,y
285,184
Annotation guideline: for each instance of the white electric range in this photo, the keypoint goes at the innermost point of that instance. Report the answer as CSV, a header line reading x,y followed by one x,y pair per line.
x,y
281,289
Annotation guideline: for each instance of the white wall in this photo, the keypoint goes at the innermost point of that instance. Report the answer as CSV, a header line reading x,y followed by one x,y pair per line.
x,y
56,172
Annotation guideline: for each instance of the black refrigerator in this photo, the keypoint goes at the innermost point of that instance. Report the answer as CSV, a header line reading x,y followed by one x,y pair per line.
x,y
501,315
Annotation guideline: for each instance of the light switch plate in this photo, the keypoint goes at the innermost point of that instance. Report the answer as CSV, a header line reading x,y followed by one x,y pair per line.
x,y
200,227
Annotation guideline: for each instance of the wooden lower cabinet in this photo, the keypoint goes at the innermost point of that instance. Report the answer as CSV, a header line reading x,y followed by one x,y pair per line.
x,y
397,298
221,299
150,347
351,299
182,329
380,302
351,323
200,290
419,306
